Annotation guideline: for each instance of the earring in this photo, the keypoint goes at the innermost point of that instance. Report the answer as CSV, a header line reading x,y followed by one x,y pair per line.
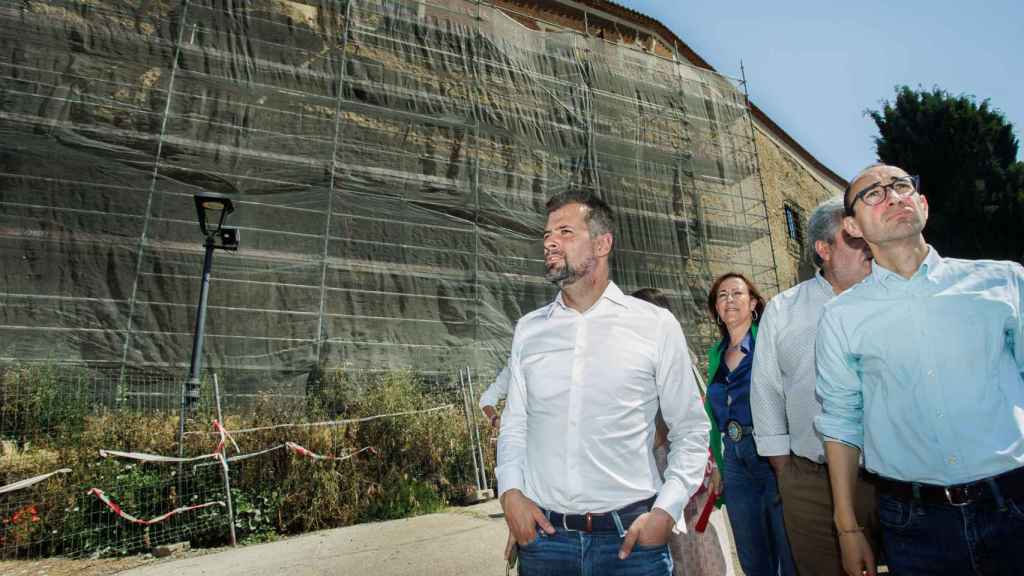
x,y
718,320
754,313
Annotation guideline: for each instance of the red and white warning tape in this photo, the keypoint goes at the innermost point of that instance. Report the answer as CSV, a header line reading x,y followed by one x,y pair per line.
x,y
252,454
144,457
334,422
117,509
30,481
222,459
292,446
309,454
225,434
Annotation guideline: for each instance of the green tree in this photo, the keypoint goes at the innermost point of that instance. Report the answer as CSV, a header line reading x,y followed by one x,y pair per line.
x,y
965,154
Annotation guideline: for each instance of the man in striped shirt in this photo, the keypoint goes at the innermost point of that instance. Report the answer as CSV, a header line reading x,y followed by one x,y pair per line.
x,y
782,398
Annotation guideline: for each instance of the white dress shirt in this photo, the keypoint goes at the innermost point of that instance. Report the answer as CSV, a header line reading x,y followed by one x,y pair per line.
x,y
578,427
497,390
782,397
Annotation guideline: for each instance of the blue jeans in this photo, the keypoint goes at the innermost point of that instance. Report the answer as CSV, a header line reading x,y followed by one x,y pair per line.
x,y
573,553
983,538
755,510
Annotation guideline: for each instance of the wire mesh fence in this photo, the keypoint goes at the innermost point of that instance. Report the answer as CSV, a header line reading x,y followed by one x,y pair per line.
x,y
99,473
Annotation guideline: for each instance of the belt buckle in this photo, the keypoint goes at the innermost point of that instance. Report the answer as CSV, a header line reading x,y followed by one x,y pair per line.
x,y
951,491
734,430
588,526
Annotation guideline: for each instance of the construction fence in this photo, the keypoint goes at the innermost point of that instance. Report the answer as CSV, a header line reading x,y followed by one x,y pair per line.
x,y
85,476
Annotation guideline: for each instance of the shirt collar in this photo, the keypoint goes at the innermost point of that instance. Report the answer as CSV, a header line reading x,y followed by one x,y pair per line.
x,y
612,293
928,269
822,282
932,264
746,345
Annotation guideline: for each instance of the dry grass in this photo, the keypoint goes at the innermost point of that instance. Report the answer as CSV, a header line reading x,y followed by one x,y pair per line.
x,y
418,465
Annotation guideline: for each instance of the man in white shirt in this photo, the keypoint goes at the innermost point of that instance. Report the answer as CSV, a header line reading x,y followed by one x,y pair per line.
x,y
783,402
576,474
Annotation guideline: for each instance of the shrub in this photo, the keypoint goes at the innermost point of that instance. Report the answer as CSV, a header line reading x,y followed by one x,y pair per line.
x,y
418,464
43,401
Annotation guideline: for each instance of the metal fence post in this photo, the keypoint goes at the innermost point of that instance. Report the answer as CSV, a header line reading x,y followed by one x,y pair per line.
x,y
469,428
224,465
476,428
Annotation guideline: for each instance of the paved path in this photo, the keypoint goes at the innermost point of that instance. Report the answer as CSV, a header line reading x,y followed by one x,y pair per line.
x,y
461,541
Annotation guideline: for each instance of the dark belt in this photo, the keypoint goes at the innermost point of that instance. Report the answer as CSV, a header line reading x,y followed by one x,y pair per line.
x,y
1009,484
603,521
736,431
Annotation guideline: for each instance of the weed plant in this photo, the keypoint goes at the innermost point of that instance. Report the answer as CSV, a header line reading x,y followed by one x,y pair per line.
x,y
415,465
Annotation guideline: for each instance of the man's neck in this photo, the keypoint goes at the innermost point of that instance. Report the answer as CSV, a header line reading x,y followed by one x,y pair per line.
x,y
583,293
903,257
839,285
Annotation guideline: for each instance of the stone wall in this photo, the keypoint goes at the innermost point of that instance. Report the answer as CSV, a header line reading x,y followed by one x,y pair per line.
x,y
788,181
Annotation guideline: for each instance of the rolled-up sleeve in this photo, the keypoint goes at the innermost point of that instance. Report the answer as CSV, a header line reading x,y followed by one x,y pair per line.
x,y
839,386
683,411
767,396
511,465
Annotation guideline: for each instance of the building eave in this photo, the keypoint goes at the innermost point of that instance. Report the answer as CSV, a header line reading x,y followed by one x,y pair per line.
x,y
671,40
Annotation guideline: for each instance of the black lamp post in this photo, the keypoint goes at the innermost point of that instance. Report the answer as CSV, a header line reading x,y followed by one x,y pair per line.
x,y
212,210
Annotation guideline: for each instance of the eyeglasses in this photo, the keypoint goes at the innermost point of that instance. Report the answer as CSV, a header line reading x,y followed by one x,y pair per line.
x,y
903,186
724,296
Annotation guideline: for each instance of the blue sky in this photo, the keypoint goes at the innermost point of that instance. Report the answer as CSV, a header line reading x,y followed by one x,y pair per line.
x,y
814,67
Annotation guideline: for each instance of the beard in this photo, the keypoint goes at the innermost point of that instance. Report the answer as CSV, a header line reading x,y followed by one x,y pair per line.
x,y
567,274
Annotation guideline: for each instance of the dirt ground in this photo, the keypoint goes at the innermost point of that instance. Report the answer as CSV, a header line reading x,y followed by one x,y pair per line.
x,y
97,567
62,567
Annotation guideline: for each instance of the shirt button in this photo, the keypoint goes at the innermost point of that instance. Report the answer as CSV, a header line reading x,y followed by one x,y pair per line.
x,y
952,460
938,413
728,400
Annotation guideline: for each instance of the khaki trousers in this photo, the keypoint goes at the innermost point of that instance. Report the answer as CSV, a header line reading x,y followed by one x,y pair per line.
x,y
807,511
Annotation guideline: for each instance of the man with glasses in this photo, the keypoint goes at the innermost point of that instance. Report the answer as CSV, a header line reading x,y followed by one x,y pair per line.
x,y
921,367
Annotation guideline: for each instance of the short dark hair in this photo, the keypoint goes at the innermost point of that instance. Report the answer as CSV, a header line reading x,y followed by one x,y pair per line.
x,y
713,298
599,217
847,201
654,296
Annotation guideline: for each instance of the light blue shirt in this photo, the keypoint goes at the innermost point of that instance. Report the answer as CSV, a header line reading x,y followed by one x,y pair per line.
x,y
925,375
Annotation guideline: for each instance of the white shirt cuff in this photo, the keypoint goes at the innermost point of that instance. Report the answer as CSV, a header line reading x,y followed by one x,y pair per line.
x,y
671,499
777,445
509,478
